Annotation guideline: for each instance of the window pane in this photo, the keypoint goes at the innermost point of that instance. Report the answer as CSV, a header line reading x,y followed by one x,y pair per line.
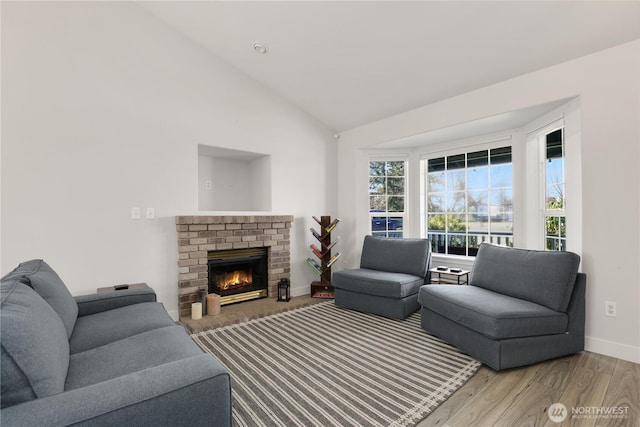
x,y
379,223
436,222
555,195
396,204
456,201
377,168
478,227
435,182
435,202
438,242
456,180
478,178
552,225
501,156
377,204
456,223
478,159
395,168
502,200
436,165
377,186
555,244
475,241
455,162
501,176
395,186
502,227
477,203
457,244
395,223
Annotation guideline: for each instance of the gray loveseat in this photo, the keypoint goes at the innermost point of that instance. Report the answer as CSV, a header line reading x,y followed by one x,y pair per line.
x,y
521,307
113,358
390,275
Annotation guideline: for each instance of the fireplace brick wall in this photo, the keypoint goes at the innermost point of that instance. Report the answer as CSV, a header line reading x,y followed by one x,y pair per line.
x,y
197,235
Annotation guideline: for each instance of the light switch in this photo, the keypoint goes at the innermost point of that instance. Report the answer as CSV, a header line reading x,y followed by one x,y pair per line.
x,y
135,212
151,213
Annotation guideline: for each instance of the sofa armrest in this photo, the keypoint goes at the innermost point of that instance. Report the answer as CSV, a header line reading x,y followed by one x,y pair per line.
x,y
195,391
576,310
103,301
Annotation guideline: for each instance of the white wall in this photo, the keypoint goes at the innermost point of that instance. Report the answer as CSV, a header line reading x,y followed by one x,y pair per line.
x,y
235,184
608,86
103,108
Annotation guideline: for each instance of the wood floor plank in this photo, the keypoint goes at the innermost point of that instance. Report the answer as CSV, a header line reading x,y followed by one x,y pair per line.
x,y
557,373
624,391
529,408
451,406
487,407
588,388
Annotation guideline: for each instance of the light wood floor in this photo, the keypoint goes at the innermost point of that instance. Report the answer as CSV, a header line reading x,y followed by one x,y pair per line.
x,y
520,396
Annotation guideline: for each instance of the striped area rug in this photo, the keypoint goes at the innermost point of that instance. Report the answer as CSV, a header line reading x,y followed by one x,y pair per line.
x,y
325,366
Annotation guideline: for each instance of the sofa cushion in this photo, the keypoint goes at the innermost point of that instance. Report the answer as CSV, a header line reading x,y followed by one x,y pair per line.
x,y
35,348
410,256
112,325
129,355
379,283
37,274
492,314
542,277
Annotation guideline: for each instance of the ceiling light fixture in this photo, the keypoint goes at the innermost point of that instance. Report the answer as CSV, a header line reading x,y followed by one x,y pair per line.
x,y
260,48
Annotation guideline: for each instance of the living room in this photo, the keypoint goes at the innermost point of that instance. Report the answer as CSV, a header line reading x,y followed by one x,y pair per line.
x,y
105,107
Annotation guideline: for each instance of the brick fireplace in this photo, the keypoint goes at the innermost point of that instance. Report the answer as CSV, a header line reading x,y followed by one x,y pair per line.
x,y
198,236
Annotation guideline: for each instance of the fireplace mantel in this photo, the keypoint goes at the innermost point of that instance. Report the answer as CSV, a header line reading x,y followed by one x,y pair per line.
x,y
200,234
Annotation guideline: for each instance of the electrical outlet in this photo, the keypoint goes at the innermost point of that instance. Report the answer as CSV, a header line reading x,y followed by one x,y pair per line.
x,y
610,309
207,185
151,213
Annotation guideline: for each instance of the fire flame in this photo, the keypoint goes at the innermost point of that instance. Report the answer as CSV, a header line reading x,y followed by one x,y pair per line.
x,y
235,279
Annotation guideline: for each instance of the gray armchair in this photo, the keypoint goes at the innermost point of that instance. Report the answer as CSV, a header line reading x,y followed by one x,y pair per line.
x,y
390,275
521,307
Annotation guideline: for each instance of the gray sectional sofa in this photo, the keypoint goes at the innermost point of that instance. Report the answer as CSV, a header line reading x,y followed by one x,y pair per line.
x,y
521,307
390,275
114,358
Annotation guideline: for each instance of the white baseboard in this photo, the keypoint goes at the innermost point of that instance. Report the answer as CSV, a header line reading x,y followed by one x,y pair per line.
x,y
613,349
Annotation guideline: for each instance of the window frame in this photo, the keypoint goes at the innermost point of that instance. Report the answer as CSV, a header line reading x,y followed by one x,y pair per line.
x,y
538,139
465,149
402,233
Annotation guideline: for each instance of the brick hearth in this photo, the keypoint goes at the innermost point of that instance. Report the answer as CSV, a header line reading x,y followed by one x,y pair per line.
x,y
197,235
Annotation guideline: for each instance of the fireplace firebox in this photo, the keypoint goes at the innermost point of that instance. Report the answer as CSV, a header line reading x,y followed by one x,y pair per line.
x,y
238,274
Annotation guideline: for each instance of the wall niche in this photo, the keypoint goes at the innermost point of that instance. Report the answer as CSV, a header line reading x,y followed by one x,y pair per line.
x,y
233,180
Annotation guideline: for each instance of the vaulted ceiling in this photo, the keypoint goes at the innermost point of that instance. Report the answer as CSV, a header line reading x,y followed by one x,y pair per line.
x,y
349,63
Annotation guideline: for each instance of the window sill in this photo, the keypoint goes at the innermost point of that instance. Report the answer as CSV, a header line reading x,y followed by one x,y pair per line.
x,y
464,262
